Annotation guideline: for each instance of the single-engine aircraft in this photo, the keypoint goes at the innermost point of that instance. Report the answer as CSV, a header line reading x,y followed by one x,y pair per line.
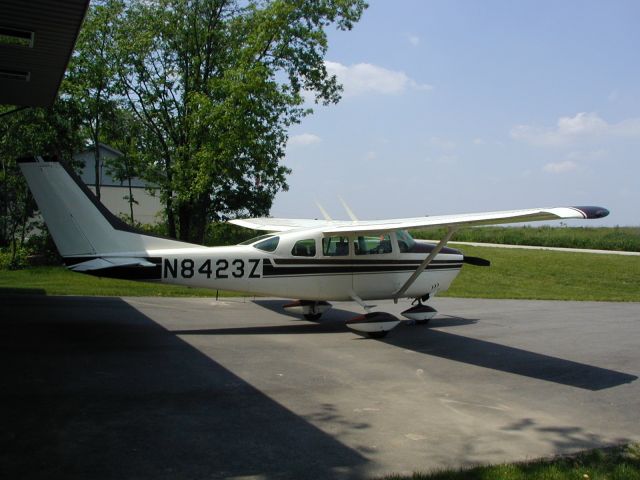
x,y
313,261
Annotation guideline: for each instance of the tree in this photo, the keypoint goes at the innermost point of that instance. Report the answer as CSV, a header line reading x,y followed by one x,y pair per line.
x,y
127,135
54,132
217,84
91,73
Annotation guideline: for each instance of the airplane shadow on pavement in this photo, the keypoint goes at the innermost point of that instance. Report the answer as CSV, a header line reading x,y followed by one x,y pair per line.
x,y
460,348
92,388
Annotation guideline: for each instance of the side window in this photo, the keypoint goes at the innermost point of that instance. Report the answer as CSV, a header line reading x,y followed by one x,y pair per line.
x,y
335,246
373,245
304,248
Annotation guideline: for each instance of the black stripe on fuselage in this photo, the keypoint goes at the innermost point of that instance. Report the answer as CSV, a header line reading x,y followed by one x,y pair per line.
x,y
353,261
294,267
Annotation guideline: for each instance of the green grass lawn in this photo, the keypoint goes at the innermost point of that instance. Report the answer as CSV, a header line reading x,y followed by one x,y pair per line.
x,y
619,463
548,275
60,281
514,273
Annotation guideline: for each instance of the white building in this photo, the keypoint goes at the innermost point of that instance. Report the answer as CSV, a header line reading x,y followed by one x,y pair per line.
x,y
114,193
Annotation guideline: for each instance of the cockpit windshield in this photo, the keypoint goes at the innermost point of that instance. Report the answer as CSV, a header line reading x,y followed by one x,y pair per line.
x,y
405,241
267,243
256,239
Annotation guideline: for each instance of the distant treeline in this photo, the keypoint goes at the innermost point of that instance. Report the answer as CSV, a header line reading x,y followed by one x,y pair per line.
x,y
600,238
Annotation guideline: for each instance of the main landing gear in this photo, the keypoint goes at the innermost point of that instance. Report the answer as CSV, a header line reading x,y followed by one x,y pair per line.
x,y
309,309
372,324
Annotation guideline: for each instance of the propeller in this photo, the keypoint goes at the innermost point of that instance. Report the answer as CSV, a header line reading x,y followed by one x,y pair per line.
x,y
477,261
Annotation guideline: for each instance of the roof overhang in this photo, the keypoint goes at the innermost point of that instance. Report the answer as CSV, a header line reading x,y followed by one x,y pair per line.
x,y
36,41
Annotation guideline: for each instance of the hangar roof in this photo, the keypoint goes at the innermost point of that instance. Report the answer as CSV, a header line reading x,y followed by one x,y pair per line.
x,y
36,41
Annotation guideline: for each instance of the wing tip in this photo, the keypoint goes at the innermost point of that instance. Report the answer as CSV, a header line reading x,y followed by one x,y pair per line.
x,y
592,212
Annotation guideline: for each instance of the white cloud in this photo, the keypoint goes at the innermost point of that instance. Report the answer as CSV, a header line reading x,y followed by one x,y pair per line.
x,y
414,40
588,156
443,160
570,130
371,155
442,143
303,139
363,78
560,167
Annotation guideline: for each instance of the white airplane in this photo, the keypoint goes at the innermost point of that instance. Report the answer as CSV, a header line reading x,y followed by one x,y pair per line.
x,y
313,261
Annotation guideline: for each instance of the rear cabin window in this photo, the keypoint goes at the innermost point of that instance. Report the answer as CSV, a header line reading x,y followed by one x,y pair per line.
x,y
268,245
304,248
335,246
373,245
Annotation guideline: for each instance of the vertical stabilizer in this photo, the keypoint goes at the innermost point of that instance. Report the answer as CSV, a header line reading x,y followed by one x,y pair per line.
x,y
79,224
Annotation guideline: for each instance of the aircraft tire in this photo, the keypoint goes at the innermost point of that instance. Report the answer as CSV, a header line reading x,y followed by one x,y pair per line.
x,y
312,316
381,334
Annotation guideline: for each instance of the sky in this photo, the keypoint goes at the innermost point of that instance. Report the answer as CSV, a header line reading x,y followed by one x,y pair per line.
x,y
458,106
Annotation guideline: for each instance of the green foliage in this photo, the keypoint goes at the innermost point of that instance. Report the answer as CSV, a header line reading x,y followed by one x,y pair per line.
x,y
51,132
91,74
599,238
216,85
219,234
612,464
548,275
13,259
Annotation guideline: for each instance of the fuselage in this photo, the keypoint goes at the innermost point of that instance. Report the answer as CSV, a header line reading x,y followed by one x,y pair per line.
x,y
307,265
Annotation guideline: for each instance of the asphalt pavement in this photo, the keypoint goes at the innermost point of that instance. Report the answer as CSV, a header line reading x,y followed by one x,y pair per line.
x,y
155,388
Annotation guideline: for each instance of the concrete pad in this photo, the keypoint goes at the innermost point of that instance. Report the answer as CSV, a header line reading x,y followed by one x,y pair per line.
x,y
194,388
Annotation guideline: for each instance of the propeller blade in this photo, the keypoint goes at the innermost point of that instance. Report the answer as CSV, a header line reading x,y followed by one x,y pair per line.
x,y
477,261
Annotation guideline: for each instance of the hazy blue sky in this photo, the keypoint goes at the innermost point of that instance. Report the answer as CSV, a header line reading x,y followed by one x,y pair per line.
x,y
462,106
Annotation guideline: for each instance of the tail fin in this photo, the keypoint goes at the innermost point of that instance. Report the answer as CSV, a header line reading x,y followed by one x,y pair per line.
x,y
79,224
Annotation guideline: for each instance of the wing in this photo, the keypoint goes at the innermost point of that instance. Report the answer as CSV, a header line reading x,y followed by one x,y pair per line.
x,y
285,224
459,220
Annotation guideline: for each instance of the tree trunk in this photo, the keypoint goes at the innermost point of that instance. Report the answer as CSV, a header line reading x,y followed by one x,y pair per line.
x,y
171,217
130,199
96,157
184,218
202,219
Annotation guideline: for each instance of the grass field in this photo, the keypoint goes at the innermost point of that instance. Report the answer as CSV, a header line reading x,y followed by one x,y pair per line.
x,y
60,281
619,463
548,275
514,273
601,238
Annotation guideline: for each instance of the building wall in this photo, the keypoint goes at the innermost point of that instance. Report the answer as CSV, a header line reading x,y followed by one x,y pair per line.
x,y
112,191
147,211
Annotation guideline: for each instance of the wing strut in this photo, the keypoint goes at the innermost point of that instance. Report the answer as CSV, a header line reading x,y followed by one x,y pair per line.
x,y
424,264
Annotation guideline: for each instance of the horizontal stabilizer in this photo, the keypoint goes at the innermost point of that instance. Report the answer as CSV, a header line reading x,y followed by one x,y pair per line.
x,y
101,263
